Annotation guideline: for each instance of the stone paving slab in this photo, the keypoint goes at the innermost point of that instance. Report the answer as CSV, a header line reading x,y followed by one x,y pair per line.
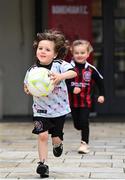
x,y
107,175
106,160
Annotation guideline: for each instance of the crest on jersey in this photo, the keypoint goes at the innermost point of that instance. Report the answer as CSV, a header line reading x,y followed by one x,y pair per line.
x,y
87,76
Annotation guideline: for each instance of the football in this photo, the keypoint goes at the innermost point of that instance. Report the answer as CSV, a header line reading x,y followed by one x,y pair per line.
x,y
39,82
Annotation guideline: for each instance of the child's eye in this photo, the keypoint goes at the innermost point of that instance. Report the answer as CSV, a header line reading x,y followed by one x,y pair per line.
x,y
48,49
40,48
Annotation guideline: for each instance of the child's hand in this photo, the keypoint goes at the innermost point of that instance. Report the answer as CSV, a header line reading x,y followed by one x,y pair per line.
x,y
56,77
77,90
26,89
101,99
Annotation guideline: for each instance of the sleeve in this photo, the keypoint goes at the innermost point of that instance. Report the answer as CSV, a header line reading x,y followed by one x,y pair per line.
x,y
65,66
99,81
69,85
26,77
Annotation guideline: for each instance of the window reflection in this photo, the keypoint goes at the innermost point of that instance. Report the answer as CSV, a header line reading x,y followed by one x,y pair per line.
x,y
98,58
119,9
120,30
97,8
119,54
97,31
119,71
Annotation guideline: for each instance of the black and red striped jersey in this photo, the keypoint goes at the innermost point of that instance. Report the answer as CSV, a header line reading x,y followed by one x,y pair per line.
x,y
87,77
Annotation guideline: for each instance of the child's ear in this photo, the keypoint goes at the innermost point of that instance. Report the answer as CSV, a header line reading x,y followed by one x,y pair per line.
x,y
70,49
88,55
55,56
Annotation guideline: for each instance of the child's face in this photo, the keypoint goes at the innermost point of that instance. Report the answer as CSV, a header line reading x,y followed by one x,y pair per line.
x,y
46,52
80,53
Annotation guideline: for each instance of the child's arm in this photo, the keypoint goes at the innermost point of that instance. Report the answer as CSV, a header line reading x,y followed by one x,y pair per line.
x,y
26,89
57,77
25,84
100,84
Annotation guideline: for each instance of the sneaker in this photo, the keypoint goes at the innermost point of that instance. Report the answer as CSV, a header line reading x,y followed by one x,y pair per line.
x,y
84,148
43,170
57,149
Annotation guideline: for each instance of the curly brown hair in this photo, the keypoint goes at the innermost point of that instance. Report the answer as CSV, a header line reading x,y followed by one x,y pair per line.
x,y
55,36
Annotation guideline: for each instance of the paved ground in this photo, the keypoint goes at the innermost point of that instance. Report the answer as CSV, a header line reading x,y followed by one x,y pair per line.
x,y
18,152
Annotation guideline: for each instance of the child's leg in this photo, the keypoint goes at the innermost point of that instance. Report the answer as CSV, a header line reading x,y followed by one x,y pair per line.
x,y
57,135
41,126
56,140
57,146
42,168
84,123
76,117
85,134
81,122
43,146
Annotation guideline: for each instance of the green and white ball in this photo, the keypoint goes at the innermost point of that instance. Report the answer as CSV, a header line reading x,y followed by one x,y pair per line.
x,y
39,82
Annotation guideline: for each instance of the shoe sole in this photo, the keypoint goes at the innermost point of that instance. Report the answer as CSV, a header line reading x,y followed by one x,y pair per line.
x,y
44,176
81,152
41,171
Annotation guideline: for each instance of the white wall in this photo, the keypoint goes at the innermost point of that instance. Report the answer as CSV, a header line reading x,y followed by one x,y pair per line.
x,y
16,53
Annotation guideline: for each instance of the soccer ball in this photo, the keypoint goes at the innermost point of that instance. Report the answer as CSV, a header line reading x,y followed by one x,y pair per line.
x,y
39,82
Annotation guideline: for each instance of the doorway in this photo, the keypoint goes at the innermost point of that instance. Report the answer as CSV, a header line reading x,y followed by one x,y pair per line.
x,y
109,45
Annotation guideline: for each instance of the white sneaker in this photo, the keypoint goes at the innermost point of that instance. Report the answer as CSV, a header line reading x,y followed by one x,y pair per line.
x,y
84,148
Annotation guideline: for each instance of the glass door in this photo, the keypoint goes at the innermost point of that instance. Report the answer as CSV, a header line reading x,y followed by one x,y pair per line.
x,y
119,49
98,42
97,30
115,42
109,52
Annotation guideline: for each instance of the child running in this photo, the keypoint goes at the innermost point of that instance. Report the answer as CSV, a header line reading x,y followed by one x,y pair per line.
x,y
81,88
49,111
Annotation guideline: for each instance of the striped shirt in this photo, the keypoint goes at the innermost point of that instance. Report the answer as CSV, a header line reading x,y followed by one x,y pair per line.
x,y
87,75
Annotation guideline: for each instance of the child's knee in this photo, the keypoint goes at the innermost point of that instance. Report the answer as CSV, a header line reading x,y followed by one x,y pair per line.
x,y
43,136
56,140
58,136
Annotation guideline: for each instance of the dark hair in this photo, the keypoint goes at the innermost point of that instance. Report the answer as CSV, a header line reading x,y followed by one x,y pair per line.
x,y
57,37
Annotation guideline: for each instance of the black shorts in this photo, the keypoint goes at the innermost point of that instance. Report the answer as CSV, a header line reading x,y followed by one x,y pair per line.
x,y
53,125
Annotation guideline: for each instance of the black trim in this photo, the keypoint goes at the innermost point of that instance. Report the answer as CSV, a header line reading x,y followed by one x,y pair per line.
x,y
38,16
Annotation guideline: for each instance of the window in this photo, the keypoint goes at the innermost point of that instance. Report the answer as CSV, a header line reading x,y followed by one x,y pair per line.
x,y
119,49
97,30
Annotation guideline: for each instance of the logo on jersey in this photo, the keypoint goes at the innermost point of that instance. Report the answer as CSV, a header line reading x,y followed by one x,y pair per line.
x,y
87,76
38,125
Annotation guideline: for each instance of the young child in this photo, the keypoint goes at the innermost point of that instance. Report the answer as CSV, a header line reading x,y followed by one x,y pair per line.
x,y
49,111
80,90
